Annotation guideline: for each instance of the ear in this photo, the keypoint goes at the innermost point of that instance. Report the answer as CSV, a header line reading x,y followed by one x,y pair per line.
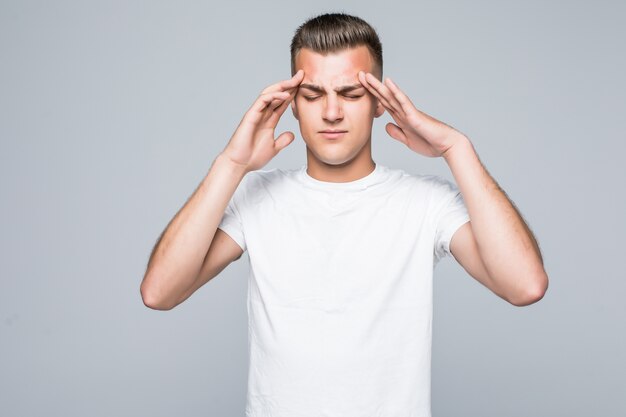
x,y
380,109
294,109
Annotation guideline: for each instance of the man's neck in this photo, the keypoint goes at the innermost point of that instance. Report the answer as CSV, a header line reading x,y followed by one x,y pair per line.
x,y
353,170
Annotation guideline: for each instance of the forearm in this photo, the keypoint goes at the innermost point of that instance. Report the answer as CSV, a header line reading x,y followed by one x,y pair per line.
x,y
506,245
178,255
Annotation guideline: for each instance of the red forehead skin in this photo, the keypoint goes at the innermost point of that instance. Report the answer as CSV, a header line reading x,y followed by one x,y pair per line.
x,y
334,70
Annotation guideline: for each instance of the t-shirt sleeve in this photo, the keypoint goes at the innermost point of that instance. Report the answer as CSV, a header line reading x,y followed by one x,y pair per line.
x,y
232,222
451,214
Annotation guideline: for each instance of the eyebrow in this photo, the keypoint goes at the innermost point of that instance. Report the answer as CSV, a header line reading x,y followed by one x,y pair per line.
x,y
342,89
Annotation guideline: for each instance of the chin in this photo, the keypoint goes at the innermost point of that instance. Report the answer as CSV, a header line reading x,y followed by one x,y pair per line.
x,y
334,159
333,154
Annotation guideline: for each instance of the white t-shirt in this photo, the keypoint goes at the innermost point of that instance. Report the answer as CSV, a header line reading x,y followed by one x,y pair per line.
x,y
340,289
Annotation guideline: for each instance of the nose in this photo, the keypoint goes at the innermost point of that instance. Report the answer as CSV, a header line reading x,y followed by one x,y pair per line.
x,y
332,109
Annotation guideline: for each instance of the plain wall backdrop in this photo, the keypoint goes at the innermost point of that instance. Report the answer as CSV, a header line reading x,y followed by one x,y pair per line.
x,y
112,112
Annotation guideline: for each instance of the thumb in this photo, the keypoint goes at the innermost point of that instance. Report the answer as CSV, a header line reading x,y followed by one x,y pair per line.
x,y
283,140
395,132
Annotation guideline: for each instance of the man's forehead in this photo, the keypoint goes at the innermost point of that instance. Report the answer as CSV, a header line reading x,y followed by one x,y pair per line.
x,y
335,69
331,76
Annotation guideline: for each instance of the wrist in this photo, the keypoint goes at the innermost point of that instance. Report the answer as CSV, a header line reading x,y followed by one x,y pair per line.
x,y
460,145
233,168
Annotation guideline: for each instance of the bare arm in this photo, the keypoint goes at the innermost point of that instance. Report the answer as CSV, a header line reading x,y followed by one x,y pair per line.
x,y
496,247
177,257
497,236
181,260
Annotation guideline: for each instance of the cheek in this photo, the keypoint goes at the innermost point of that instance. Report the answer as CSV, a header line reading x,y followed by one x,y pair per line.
x,y
363,109
307,111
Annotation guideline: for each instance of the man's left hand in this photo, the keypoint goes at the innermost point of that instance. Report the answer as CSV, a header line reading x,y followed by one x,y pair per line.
x,y
417,130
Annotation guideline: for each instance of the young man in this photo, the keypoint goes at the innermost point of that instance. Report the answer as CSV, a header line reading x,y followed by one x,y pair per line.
x,y
342,250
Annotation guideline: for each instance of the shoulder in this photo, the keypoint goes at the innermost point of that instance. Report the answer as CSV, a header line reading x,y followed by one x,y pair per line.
x,y
426,183
435,192
269,177
263,181
438,186
436,181
444,194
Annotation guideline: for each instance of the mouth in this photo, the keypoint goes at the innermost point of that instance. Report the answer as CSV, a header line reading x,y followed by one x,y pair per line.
x,y
333,134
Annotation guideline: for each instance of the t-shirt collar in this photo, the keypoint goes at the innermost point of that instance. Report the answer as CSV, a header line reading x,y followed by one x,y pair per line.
x,y
360,184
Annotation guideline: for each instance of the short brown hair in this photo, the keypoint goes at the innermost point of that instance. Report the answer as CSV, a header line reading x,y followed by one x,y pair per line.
x,y
332,32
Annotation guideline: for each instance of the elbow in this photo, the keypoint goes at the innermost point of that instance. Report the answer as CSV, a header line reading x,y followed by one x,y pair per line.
x,y
152,299
534,292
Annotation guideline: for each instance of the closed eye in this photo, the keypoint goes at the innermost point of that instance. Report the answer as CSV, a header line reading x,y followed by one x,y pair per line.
x,y
311,98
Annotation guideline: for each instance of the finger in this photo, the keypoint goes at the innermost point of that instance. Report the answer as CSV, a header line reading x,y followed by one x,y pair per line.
x,y
407,105
280,109
266,99
286,84
395,132
402,98
274,105
283,140
384,91
277,102
376,94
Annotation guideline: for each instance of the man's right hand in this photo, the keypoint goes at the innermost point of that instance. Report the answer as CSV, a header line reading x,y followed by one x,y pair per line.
x,y
253,144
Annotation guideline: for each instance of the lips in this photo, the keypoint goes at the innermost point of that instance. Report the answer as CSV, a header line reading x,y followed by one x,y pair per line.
x,y
333,133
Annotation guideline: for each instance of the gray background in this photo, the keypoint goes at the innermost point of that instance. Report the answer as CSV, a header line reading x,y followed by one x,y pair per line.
x,y
111,114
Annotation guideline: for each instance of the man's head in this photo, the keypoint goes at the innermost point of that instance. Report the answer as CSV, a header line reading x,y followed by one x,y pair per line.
x,y
332,49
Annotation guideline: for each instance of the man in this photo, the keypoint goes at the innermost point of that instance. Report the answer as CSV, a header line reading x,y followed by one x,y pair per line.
x,y
342,250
